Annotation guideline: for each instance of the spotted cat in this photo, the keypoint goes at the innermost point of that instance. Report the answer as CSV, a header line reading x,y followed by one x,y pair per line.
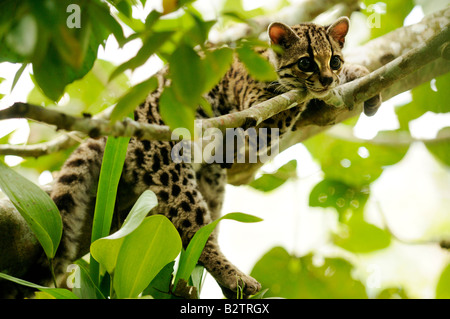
x,y
191,197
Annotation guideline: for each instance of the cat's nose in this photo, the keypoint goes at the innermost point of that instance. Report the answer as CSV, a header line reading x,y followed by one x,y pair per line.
x,y
325,80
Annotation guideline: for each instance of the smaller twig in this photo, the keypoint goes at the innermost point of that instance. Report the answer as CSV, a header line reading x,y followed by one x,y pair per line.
x,y
93,127
59,143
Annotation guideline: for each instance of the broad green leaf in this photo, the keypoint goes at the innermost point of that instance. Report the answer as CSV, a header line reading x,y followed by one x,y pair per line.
x,y
92,94
35,206
344,198
22,38
111,170
441,148
268,182
353,163
174,113
159,288
359,236
143,254
428,97
57,293
386,16
106,250
292,277
131,100
443,286
187,75
52,74
189,258
392,293
216,64
256,65
199,32
150,45
101,14
237,8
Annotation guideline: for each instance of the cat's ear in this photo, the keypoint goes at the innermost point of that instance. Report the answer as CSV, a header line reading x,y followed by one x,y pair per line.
x,y
338,30
281,34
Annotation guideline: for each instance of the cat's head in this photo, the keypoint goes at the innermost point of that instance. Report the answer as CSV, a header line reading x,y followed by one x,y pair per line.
x,y
311,56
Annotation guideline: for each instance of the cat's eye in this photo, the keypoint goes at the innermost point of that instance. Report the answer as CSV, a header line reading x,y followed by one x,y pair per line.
x,y
306,64
335,62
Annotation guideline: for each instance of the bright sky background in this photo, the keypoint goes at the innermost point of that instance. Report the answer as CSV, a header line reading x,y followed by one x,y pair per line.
x,y
288,220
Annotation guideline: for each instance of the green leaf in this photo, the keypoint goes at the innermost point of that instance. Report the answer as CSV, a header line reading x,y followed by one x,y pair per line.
x,y
106,250
135,96
187,75
443,286
57,293
196,278
359,236
174,113
52,74
18,75
143,254
268,182
392,293
215,65
441,147
237,8
344,198
84,286
159,288
22,38
292,277
111,170
189,259
393,17
199,32
256,65
35,206
92,94
151,19
353,163
100,13
426,97
150,45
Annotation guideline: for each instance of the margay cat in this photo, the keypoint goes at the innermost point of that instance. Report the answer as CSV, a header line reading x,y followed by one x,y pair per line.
x,y
192,198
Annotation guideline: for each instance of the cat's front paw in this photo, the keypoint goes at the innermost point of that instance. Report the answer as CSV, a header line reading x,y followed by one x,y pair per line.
x,y
371,105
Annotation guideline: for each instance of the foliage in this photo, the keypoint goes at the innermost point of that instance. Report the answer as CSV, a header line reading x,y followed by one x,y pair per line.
x,y
35,206
139,259
293,277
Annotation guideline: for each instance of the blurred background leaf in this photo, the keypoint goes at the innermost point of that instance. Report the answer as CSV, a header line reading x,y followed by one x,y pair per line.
x,y
301,278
